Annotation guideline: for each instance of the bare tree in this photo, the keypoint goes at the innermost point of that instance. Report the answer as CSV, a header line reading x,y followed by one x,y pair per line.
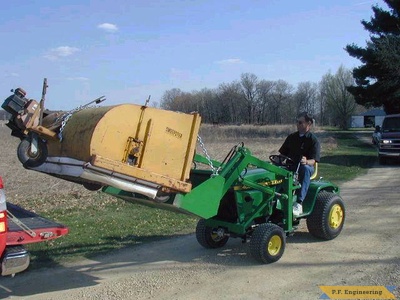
x,y
306,97
168,99
264,99
249,100
207,105
281,105
177,100
249,85
340,102
323,115
232,102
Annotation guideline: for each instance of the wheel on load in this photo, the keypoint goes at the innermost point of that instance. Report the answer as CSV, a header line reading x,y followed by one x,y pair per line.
x,y
30,158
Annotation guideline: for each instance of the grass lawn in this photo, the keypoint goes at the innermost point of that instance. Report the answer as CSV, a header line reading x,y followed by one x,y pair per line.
x,y
351,158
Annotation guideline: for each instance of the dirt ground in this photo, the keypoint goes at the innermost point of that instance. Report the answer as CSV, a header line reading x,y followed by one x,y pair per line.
x,y
366,253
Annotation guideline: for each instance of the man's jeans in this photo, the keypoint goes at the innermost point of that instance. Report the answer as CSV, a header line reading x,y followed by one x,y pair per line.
x,y
305,172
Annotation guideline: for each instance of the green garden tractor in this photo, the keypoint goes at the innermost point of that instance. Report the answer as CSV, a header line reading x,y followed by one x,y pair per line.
x,y
251,199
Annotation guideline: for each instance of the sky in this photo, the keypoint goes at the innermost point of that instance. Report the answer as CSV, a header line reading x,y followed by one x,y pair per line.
x,y
128,50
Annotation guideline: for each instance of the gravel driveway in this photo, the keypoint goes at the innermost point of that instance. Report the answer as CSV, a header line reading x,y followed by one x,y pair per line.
x,y
366,253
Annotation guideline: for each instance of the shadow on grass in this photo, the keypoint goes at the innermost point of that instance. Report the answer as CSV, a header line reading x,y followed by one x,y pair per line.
x,y
356,160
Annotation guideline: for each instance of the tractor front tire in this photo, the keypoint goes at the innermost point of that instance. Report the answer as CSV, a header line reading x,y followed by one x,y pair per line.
x,y
267,243
327,219
29,159
207,238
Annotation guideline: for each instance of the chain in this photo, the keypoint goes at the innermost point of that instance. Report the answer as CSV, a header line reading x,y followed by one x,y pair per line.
x,y
210,163
65,117
64,121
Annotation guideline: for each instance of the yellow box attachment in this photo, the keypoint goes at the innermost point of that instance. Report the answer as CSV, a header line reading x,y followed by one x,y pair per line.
x,y
143,142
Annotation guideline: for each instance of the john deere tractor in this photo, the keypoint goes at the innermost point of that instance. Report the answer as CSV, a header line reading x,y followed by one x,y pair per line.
x,y
248,198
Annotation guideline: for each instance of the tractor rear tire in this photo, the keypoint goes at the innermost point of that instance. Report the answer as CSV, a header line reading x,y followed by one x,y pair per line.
x,y
267,243
29,159
207,238
327,219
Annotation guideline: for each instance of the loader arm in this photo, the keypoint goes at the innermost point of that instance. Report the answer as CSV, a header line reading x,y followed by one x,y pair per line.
x,y
204,200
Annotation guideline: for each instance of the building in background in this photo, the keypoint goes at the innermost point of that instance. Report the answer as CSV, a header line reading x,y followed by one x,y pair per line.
x,y
370,118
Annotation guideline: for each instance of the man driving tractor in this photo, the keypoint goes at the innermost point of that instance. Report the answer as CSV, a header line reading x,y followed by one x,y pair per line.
x,y
304,149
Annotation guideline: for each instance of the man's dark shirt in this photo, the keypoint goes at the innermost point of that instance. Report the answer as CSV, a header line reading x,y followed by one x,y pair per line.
x,y
296,147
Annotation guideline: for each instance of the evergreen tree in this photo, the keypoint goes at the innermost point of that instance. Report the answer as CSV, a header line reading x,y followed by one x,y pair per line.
x,y
377,82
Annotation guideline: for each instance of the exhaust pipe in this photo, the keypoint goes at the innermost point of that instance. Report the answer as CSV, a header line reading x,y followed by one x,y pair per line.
x,y
64,166
120,183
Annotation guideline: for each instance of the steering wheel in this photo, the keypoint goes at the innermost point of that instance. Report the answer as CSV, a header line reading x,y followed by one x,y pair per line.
x,y
281,160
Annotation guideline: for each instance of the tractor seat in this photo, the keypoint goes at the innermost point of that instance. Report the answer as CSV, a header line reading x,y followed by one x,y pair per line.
x,y
315,174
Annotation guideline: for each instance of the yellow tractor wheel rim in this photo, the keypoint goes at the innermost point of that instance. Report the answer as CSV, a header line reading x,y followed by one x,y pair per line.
x,y
215,237
274,245
336,216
